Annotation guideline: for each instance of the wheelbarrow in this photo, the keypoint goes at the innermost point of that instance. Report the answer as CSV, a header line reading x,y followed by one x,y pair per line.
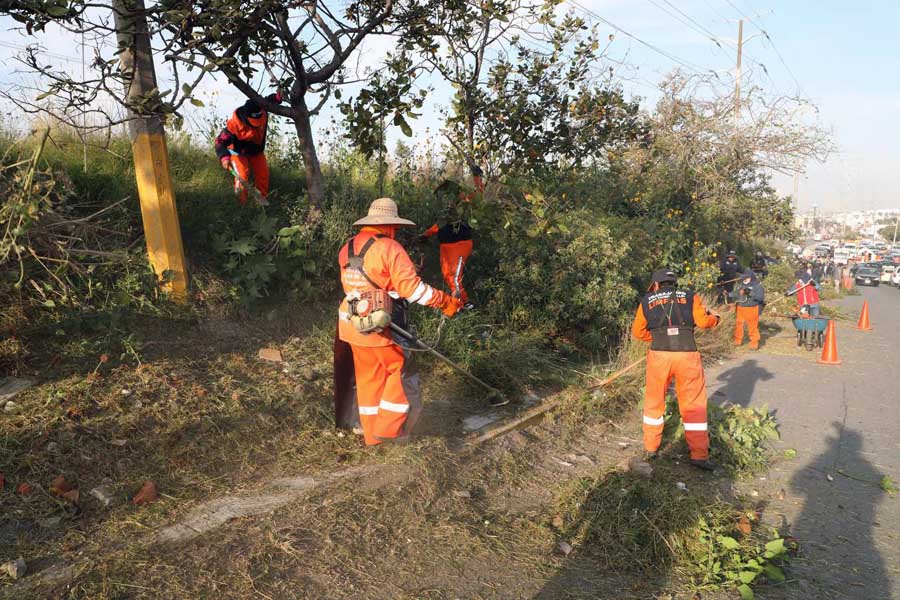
x,y
810,331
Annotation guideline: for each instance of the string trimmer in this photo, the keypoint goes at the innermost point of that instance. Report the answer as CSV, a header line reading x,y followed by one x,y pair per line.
x,y
496,397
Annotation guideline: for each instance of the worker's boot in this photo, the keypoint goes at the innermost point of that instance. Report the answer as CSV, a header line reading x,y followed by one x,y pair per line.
x,y
703,463
651,455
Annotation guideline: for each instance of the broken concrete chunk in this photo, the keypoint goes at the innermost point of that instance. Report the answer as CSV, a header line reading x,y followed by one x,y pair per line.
x,y
105,494
10,386
50,522
10,407
637,466
462,493
564,548
15,568
270,354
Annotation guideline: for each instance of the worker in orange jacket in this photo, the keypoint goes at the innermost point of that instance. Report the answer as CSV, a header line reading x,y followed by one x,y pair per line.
x,y
749,301
379,281
241,146
455,239
666,318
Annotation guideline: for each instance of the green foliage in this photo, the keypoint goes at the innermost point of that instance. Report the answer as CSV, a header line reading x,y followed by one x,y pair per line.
x,y
621,521
738,437
724,557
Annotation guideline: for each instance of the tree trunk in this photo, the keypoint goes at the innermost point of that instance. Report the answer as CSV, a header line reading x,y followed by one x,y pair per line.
x,y
314,185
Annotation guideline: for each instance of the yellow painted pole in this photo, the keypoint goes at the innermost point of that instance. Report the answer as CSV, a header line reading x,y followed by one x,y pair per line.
x,y
151,157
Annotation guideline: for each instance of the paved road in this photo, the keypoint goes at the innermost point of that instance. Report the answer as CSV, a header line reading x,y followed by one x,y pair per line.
x,y
844,422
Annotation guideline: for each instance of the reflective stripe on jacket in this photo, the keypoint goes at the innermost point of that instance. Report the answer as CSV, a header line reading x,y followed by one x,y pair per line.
x,y
388,265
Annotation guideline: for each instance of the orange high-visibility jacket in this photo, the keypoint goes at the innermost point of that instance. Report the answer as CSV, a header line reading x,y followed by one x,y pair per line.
x,y
702,319
388,265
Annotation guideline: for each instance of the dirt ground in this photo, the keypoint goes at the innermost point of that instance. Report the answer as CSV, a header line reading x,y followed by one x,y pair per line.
x,y
261,498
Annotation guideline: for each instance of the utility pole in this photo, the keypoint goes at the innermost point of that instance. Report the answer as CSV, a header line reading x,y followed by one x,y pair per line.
x,y
737,79
894,242
797,191
148,146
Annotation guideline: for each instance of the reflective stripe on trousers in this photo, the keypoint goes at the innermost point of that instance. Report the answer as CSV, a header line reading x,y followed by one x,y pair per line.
x,y
450,255
690,388
387,387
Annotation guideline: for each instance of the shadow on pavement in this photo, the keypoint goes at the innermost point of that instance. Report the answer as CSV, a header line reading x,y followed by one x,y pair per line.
x,y
839,557
740,382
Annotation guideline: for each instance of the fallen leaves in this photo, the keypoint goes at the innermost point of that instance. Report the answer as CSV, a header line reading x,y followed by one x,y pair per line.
x,y
2,481
270,354
24,489
146,494
64,489
744,525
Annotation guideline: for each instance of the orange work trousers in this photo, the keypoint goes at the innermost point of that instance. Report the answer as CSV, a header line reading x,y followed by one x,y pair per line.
x,y
245,165
451,255
387,391
750,316
690,388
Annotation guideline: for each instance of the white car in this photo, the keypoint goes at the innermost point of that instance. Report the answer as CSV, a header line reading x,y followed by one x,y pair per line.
x,y
887,273
895,278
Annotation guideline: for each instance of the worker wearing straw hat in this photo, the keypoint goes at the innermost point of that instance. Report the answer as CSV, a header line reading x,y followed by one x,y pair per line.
x,y
379,281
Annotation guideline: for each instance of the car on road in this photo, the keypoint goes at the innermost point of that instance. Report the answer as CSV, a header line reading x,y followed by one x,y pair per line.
x,y
895,278
866,275
887,271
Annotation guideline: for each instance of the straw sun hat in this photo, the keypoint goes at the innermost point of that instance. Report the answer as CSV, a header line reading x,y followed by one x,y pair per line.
x,y
383,212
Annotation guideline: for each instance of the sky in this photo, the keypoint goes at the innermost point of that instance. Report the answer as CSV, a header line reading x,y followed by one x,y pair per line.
x,y
840,56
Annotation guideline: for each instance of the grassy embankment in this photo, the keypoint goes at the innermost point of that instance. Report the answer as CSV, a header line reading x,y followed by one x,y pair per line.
x,y
134,391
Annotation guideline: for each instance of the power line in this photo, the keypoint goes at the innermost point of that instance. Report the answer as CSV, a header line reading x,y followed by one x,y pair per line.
x,y
45,52
697,26
683,62
774,47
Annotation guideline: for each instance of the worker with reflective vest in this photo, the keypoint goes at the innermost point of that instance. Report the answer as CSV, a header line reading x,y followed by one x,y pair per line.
x,y
748,301
241,146
379,281
666,318
455,237
807,290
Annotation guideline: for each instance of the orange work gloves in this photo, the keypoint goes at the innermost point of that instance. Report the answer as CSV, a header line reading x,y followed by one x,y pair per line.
x,y
450,305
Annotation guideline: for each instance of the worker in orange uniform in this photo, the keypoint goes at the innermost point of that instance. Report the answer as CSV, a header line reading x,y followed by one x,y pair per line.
x,y
241,146
666,318
377,273
455,239
749,302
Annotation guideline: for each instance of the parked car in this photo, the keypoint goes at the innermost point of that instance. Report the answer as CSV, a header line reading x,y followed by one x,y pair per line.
x,y
895,278
866,275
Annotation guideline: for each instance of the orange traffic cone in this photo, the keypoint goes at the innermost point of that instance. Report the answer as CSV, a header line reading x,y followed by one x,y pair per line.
x,y
829,351
864,318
